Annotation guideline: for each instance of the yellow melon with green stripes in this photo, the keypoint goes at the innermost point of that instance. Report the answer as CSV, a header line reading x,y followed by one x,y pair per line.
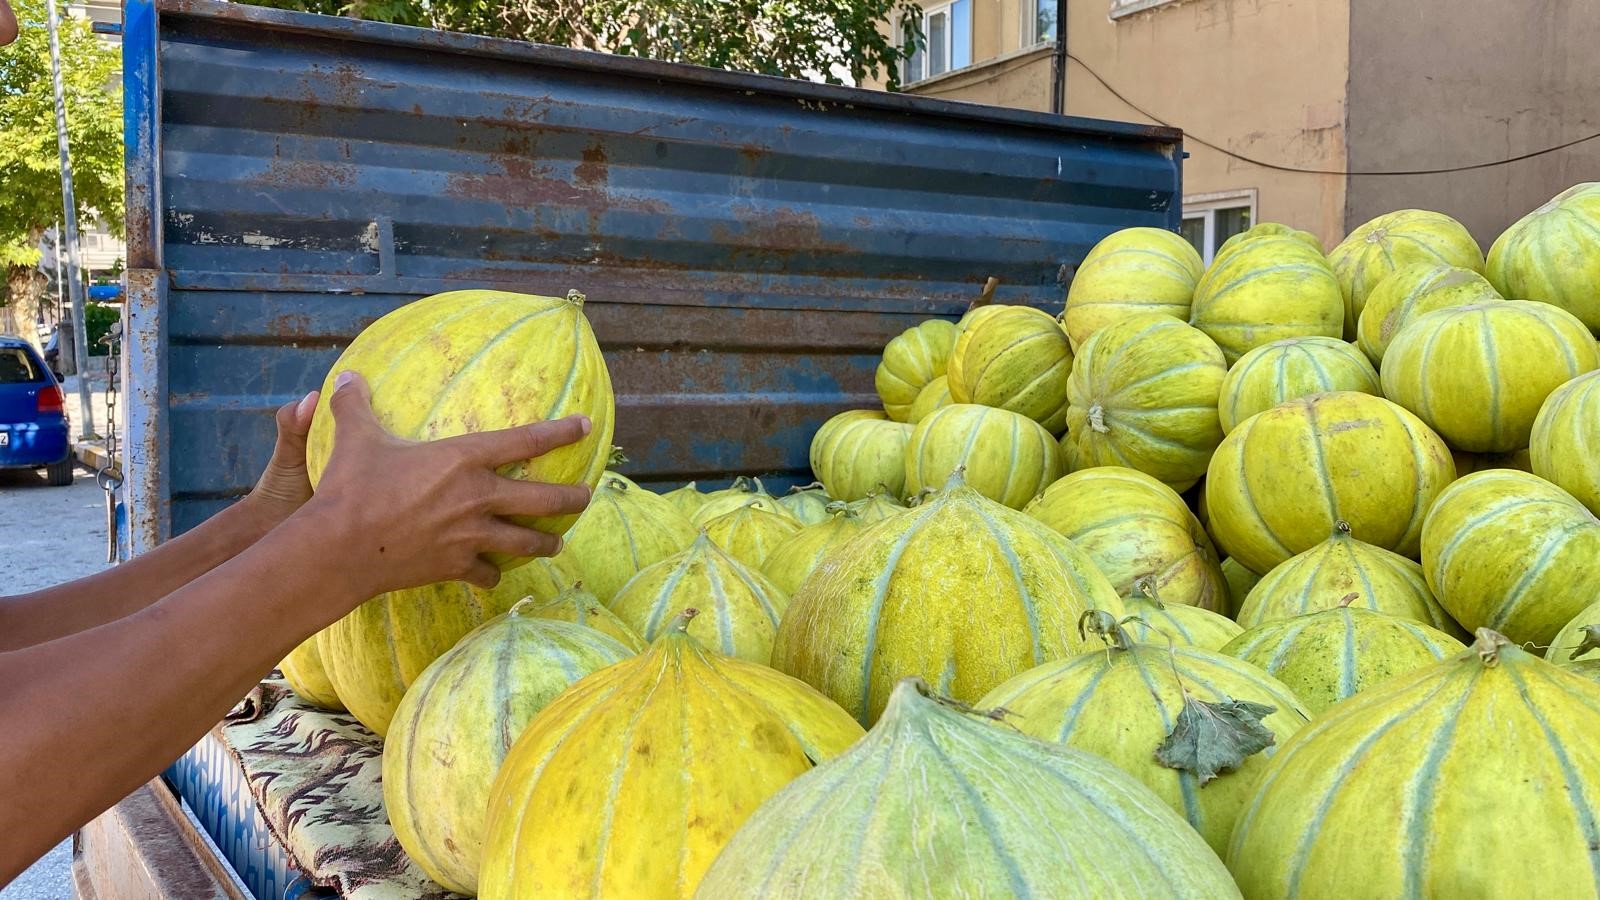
x,y
304,671
934,394
1150,620
1478,374
1121,703
1345,572
1143,394
1273,229
1578,642
1281,480
897,601
937,789
1016,359
1240,581
457,723
1411,291
1565,444
470,361
1477,776
1007,457
1129,272
1266,289
858,451
579,607
594,800
1510,551
1332,654
1553,254
750,534
912,360
1134,527
1376,248
798,556
1289,369
624,529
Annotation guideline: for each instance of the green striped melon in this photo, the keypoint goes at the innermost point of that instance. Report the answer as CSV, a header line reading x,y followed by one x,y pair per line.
x,y
856,451
1017,359
304,671
624,529
1411,291
1375,249
1130,272
960,591
1327,575
1121,703
1477,374
1565,444
1271,229
743,492
1572,646
1266,289
750,533
797,557
1151,621
1134,527
1007,457
470,361
1289,369
579,607
936,801
1240,581
1143,394
739,608
686,500
910,362
933,396
877,506
1510,551
1477,776
457,722
1327,656
808,504
1553,254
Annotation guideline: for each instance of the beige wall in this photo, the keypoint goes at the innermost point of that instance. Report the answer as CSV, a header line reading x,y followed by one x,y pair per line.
x,y
1265,78
1438,83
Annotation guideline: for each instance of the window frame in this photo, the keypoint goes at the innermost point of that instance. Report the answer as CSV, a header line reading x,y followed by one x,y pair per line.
x,y
1123,8
1030,19
1205,207
947,7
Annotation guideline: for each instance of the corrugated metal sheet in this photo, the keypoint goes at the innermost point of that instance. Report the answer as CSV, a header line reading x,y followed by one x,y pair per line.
x,y
747,244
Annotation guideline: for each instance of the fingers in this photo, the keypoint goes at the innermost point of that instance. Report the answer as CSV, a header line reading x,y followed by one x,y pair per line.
x,y
514,540
532,498
351,405
301,420
482,574
509,445
294,422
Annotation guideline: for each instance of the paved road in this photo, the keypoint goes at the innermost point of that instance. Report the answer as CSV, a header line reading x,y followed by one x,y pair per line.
x,y
48,535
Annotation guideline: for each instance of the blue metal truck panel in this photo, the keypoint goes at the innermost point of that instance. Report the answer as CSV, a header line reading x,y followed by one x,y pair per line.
x,y
747,244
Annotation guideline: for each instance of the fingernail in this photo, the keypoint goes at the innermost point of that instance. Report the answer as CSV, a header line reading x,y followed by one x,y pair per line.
x,y
561,544
584,424
344,378
305,405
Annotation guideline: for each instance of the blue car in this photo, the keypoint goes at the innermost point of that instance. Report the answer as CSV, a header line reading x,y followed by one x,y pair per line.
x,y
33,421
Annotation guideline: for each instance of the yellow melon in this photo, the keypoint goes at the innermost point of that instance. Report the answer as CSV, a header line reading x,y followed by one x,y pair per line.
x,y
934,394
797,557
1007,457
856,451
1414,290
1017,359
808,504
1566,440
1553,254
624,529
1289,369
304,671
1282,478
910,362
1274,229
1266,289
1478,374
580,607
750,533
1143,394
1375,249
1129,272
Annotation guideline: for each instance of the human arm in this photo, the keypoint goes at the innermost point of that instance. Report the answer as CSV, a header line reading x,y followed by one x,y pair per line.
x,y
8,24
64,609
86,718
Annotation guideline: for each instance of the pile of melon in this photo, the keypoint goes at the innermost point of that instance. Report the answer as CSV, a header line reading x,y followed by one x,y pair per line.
x,y
1271,577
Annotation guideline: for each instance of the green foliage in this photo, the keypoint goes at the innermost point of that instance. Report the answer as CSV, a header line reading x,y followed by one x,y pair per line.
x,y
97,320
793,38
30,168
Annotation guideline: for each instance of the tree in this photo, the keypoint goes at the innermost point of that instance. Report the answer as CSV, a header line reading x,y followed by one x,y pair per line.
x,y
30,163
795,38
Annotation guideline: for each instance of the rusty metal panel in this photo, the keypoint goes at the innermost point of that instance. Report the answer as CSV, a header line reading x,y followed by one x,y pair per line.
x,y
747,244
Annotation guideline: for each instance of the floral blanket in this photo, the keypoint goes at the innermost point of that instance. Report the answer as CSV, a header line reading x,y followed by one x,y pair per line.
x,y
317,778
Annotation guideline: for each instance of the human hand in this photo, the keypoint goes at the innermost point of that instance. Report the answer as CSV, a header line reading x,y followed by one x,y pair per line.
x,y
402,513
284,485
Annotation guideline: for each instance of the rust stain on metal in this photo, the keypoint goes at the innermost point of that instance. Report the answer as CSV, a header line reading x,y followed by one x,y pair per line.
x,y
593,169
304,173
784,229
528,183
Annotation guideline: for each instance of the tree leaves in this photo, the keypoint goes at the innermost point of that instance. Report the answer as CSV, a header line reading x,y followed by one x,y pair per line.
x,y
1209,738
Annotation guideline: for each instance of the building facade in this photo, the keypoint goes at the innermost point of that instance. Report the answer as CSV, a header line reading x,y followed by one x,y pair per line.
x,y
1291,108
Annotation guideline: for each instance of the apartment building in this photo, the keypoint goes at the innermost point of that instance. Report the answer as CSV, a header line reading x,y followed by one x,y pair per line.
x,y
1292,108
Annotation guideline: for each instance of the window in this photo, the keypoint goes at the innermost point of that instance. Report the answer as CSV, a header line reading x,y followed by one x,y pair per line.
x,y
1210,219
1120,8
1038,21
947,40
16,366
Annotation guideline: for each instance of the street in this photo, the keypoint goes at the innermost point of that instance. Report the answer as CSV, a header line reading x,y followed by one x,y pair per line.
x,y
48,535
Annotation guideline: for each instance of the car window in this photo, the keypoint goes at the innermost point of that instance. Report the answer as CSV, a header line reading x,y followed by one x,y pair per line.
x,y
16,366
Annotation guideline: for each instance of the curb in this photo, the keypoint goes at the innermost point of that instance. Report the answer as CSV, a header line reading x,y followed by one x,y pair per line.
x,y
94,457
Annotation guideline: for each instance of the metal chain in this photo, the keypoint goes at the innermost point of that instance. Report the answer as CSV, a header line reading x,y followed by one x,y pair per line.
x,y
109,479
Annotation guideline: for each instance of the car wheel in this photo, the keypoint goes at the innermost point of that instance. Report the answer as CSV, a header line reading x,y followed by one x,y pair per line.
x,y
59,474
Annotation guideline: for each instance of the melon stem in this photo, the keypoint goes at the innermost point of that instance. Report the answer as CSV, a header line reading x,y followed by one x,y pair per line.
x,y
1097,419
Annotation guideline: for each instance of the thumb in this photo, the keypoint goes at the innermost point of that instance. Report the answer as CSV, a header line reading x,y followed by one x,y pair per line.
x,y
351,405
